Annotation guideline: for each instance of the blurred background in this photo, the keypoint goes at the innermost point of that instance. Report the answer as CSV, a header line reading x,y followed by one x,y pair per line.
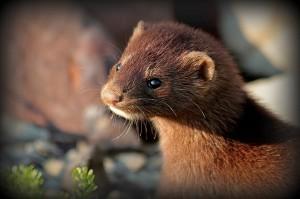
x,y
56,57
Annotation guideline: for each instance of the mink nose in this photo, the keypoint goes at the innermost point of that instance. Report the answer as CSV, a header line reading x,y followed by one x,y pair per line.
x,y
111,97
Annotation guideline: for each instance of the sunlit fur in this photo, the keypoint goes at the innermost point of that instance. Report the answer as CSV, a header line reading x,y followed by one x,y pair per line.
x,y
216,141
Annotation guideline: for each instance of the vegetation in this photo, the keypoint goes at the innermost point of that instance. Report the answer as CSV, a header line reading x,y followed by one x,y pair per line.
x,y
27,182
84,182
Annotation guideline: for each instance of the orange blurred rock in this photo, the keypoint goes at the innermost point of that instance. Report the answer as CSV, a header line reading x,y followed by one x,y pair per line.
x,y
56,60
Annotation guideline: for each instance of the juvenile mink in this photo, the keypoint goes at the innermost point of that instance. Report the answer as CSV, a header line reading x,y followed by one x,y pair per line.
x,y
216,141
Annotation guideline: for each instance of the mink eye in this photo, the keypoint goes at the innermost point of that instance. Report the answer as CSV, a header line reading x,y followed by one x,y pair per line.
x,y
153,83
118,66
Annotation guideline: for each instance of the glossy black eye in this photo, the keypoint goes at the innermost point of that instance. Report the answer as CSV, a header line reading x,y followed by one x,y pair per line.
x,y
153,83
118,66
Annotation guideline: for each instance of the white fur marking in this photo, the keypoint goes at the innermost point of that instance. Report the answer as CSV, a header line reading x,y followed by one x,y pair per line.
x,y
124,114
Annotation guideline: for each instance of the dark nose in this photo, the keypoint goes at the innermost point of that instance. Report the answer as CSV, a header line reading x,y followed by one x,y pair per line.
x,y
111,97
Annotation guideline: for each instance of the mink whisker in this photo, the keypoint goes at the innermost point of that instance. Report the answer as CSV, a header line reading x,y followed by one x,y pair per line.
x,y
142,122
192,101
124,132
162,102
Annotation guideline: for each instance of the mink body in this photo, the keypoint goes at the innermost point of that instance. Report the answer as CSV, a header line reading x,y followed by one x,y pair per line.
x,y
254,159
216,141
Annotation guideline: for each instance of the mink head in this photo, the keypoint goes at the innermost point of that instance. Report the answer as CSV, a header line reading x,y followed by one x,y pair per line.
x,y
167,70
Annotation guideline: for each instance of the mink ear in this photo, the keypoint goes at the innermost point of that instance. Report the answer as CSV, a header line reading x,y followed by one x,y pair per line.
x,y
139,29
202,61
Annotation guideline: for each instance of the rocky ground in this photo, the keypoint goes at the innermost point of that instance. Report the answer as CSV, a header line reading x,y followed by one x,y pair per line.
x,y
121,171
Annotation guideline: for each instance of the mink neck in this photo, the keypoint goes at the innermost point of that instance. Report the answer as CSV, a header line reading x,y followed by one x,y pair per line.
x,y
245,122
215,116
202,125
178,140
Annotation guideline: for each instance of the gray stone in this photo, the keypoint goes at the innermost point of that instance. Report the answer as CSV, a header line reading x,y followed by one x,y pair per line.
x,y
18,131
278,94
16,154
154,163
133,161
54,167
44,148
109,165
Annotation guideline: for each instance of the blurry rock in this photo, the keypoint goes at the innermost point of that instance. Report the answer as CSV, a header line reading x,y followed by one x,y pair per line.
x,y
252,62
20,153
53,167
56,60
146,180
45,148
133,161
19,131
109,165
64,141
134,173
276,28
154,163
278,94
258,50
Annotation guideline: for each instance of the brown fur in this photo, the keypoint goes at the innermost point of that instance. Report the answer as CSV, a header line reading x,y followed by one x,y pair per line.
x,y
215,140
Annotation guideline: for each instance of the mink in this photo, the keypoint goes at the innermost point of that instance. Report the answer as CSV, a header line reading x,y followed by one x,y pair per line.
x,y
215,139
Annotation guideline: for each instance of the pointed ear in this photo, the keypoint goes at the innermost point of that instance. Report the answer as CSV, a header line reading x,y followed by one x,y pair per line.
x,y
139,29
201,61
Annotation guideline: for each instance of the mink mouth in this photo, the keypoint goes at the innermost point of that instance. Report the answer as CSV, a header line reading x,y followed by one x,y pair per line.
x,y
130,115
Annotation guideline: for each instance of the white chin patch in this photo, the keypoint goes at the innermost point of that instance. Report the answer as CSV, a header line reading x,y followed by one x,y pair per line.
x,y
124,114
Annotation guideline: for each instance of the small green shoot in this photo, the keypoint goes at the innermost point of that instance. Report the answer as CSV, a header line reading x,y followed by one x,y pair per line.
x,y
84,182
25,181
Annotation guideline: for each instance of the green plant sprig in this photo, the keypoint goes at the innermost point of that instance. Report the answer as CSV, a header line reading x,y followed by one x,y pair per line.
x,y
84,182
25,181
